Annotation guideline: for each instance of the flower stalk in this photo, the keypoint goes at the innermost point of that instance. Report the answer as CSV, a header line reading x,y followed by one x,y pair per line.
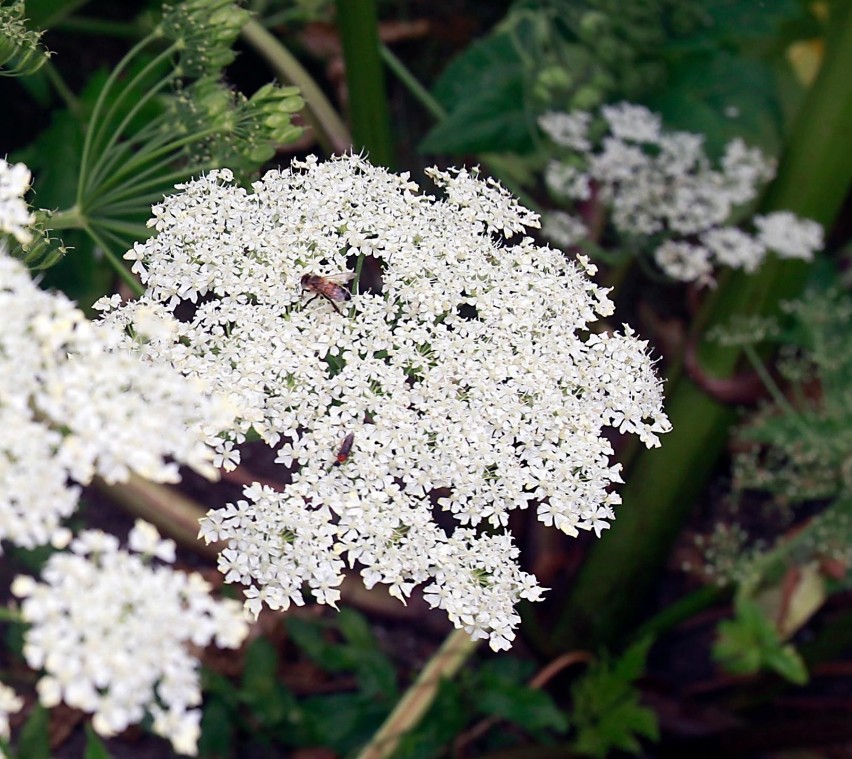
x,y
409,711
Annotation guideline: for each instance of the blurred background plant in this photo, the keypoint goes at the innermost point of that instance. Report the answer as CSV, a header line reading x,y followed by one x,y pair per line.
x,y
748,641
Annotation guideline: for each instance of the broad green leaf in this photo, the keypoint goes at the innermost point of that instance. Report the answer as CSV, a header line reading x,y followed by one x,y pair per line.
x,y
722,96
484,92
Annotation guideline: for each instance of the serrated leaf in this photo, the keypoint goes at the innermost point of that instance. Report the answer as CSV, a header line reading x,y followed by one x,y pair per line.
x,y
530,709
630,666
355,629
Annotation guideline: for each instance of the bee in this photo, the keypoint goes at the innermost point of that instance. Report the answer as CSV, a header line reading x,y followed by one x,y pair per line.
x,y
344,450
330,287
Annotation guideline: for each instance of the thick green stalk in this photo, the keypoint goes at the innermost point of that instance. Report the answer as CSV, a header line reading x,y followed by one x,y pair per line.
x,y
814,177
368,103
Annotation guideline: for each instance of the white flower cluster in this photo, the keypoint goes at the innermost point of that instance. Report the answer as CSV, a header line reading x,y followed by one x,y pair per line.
x,y
112,632
15,216
661,187
462,385
73,406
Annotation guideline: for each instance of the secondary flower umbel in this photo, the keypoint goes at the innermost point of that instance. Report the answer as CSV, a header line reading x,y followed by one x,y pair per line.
x,y
112,633
466,375
665,195
74,405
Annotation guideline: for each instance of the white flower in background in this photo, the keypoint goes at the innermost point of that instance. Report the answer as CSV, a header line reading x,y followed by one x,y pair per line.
x,y
663,191
10,703
73,405
684,261
466,377
570,130
733,247
113,633
15,216
565,230
788,235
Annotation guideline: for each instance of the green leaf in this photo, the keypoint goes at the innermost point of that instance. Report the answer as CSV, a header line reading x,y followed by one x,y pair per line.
x,y
445,719
217,729
532,709
484,91
500,690
788,663
750,642
309,636
341,722
270,702
606,709
95,748
722,96
728,22
34,741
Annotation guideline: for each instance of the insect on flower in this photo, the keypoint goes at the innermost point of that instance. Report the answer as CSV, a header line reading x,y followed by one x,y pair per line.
x,y
330,287
345,449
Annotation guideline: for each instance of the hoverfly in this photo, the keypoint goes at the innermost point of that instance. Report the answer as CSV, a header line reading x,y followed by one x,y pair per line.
x,y
330,287
344,450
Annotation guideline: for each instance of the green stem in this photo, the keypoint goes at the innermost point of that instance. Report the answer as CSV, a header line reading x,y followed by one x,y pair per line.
x,y
328,127
62,89
166,508
679,611
772,388
358,25
447,660
136,231
411,82
96,173
620,569
10,615
116,263
94,120
69,218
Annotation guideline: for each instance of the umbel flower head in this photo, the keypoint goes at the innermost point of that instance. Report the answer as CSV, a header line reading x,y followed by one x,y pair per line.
x,y
112,632
462,384
15,216
665,194
73,405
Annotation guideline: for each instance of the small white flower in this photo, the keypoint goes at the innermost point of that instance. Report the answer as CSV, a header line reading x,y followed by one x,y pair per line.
x,y
632,123
789,236
733,247
684,261
570,130
563,229
15,216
